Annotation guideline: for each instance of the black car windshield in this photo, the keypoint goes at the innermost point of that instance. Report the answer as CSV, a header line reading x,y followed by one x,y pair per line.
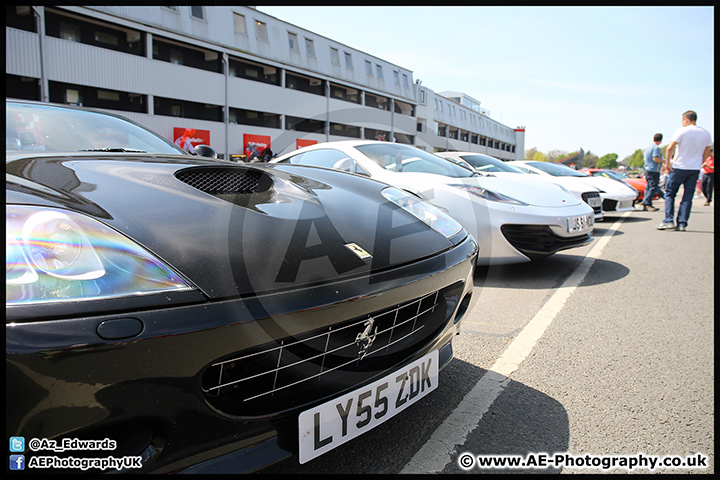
x,y
403,158
485,163
557,169
50,128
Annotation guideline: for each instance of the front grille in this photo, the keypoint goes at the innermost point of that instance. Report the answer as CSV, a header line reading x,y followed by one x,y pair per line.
x,y
297,370
538,240
225,180
588,198
610,205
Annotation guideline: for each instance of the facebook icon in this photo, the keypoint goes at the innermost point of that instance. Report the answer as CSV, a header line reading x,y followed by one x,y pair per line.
x,y
17,462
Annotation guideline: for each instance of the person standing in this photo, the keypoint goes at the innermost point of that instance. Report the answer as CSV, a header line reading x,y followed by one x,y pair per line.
x,y
708,177
688,147
653,165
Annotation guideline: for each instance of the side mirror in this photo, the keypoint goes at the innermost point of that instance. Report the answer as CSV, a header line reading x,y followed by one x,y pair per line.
x,y
205,151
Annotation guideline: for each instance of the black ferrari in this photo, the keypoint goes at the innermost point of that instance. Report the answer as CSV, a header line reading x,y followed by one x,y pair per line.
x,y
168,312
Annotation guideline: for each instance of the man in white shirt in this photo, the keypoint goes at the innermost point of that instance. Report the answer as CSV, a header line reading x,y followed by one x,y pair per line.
x,y
689,146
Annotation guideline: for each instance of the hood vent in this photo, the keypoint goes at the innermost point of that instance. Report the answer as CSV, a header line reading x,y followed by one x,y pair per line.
x,y
226,181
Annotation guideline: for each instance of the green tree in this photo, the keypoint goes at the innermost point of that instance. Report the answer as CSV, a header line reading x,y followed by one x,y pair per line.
x,y
608,161
590,160
636,160
555,155
539,157
530,153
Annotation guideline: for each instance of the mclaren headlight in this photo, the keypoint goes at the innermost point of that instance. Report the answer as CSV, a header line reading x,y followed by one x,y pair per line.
x,y
57,255
489,194
428,213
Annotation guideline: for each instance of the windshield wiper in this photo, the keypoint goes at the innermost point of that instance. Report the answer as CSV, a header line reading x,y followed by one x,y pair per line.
x,y
113,149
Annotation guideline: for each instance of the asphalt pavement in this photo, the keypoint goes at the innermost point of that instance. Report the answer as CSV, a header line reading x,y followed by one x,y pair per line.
x,y
627,365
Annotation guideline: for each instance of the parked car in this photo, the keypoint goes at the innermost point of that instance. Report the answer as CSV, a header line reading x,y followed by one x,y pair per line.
x,y
639,184
208,316
616,196
513,221
493,166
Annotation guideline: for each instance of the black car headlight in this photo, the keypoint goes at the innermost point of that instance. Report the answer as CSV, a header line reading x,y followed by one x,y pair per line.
x,y
56,255
428,213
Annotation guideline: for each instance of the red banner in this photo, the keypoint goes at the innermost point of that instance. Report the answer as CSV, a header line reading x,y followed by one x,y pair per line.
x,y
253,145
189,138
301,142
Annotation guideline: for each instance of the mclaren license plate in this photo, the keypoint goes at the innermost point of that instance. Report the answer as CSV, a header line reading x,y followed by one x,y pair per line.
x,y
580,223
333,423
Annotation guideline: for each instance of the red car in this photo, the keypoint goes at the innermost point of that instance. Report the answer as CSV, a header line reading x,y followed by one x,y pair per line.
x,y
638,184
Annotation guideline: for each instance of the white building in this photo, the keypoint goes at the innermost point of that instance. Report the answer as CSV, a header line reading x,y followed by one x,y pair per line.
x,y
236,75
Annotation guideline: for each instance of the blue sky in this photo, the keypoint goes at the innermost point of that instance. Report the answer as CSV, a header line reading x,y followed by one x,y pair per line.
x,y
602,78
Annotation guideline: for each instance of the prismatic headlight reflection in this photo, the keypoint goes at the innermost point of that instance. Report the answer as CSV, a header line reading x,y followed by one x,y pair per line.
x,y
54,255
431,215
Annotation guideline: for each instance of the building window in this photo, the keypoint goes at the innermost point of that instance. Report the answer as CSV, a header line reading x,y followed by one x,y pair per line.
x,y
240,24
379,71
421,95
344,93
376,101
254,71
396,77
108,95
72,96
94,33
261,30
334,56
309,47
108,38
254,118
95,97
304,84
176,57
69,32
172,52
197,12
348,60
368,68
293,42
304,124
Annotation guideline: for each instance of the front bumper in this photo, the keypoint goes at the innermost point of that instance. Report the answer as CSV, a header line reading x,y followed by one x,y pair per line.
x,y
149,392
618,204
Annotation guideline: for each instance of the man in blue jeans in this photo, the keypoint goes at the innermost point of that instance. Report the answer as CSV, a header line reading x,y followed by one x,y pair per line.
x,y
653,164
689,146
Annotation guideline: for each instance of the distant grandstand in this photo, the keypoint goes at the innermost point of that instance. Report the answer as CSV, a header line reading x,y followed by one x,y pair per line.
x,y
574,160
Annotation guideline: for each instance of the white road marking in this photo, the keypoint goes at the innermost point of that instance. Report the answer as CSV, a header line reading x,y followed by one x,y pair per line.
x,y
440,449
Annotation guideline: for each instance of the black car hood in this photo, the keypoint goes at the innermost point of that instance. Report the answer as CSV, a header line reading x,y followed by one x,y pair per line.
x,y
232,229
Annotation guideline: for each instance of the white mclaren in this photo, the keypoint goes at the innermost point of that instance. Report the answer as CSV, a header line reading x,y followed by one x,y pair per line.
x,y
512,221
487,165
616,196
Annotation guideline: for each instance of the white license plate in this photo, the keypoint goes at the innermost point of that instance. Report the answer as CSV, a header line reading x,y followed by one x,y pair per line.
x,y
583,222
333,423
